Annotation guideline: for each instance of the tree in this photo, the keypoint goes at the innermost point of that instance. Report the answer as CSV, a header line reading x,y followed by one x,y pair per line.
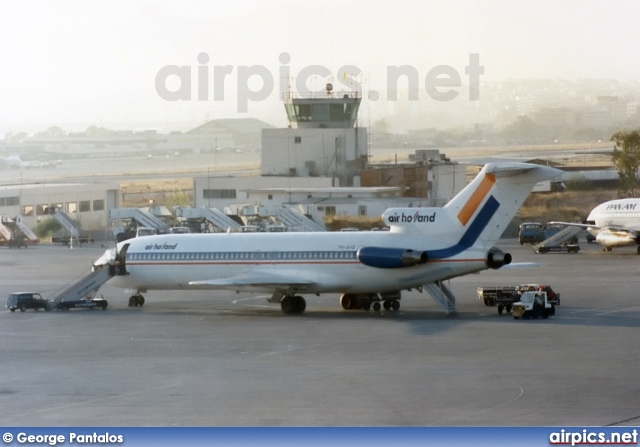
x,y
45,228
627,160
178,198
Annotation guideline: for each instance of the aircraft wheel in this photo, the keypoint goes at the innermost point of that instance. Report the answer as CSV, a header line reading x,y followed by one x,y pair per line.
x,y
395,305
500,309
288,304
140,300
376,307
347,301
299,304
387,305
132,301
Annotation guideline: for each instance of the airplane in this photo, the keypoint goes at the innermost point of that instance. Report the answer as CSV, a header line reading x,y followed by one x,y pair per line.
x,y
424,247
12,162
615,223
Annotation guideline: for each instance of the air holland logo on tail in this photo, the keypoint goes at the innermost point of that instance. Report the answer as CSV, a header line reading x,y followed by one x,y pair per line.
x,y
476,198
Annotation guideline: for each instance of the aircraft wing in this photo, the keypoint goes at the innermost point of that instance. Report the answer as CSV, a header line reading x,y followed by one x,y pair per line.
x,y
574,224
634,230
255,279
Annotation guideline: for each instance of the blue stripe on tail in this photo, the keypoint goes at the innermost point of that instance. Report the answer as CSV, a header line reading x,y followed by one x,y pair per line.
x,y
473,232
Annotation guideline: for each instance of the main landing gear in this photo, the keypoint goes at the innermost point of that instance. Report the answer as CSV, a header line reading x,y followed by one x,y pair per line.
x,y
353,301
136,300
293,304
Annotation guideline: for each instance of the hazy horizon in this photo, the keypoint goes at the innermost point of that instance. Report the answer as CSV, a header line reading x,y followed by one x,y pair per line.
x,y
97,62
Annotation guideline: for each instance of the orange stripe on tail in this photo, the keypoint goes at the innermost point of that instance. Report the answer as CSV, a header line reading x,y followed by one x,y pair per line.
x,y
476,198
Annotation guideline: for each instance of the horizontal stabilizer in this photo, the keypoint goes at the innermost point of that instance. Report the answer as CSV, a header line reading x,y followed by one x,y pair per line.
x,y
519,265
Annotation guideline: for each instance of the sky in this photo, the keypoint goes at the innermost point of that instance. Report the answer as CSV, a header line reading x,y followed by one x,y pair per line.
x,y
101,62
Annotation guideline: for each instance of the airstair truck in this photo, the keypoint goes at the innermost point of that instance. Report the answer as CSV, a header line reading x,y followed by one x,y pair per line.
x,y
101,272
560,242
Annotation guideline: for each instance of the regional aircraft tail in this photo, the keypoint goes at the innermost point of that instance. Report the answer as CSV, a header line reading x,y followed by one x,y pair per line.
x,y
479,214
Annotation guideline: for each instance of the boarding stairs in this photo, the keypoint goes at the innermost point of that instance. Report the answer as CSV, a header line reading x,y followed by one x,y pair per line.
x,y
66,221
141,217
291,217
5,231
20,223
12,230
442,296
560,237
84,286
212,215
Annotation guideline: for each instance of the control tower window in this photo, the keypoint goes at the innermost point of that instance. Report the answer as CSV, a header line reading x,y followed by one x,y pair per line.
x,y
337,112
303,112
320,112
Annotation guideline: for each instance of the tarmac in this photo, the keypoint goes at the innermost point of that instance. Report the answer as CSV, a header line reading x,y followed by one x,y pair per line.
x,y
198,358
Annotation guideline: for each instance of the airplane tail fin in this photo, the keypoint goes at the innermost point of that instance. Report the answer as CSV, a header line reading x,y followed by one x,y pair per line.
x,y
486,206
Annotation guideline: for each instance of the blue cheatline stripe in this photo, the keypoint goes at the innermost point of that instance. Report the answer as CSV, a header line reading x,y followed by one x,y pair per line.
x,y
472,234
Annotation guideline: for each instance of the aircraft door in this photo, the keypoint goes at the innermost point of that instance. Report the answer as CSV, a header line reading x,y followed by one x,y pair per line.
x,y
120,265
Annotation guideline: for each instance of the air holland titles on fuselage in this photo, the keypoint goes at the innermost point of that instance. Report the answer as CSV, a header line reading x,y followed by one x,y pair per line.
x,y
417,217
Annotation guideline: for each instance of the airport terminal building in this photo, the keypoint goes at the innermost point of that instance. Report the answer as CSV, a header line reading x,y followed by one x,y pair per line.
x,y
87,203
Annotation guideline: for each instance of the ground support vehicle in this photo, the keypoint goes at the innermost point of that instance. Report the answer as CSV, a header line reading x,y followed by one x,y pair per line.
x,y
17,242
65,239
505,296
530,233
87,302
536,233
565,240
533,304
27,300
568,248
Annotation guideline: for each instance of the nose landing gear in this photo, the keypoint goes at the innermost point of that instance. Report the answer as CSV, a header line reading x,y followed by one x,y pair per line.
x,y
136,300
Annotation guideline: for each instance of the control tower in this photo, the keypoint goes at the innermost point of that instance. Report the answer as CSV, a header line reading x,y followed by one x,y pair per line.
x,y
329,112
322,140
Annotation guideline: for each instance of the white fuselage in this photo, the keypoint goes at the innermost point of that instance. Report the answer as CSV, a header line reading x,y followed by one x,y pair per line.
x,y
326,261
618,213
613,216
